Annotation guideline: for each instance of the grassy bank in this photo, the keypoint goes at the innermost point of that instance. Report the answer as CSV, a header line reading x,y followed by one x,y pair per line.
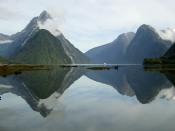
x,y
8,69
162,60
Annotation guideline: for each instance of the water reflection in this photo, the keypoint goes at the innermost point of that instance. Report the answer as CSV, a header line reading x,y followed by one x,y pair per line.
x,y
132,81
66,99
41,89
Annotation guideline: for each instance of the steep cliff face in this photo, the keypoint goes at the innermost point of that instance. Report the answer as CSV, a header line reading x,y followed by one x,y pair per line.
x,y
113,52
147,43
170,53
31,34
134,48
42,48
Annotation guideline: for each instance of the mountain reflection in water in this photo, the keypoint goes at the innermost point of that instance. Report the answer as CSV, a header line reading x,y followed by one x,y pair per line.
x,y
134,81
42,90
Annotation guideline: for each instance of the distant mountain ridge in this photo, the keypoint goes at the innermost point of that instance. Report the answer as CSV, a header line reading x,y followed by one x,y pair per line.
x,y
113,52
3,37
133,48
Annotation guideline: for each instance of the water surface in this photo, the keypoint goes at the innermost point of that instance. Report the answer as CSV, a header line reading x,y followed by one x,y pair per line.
x,y
72,99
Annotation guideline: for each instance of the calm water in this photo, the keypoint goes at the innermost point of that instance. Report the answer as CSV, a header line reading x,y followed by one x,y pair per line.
x,y
128,99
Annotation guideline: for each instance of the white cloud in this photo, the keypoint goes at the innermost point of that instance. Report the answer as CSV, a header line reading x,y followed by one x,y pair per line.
x,y
51,26
168,34
5,41
93,22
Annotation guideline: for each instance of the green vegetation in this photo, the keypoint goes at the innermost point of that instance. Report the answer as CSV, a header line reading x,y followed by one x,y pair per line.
x,y
159,64
167,59
159,67
161,60
3,60
153,61
8,69
42,48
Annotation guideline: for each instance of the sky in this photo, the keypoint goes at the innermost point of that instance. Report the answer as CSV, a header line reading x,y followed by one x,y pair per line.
x,y
89,23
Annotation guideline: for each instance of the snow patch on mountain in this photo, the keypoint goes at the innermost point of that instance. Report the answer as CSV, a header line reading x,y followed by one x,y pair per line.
x,y
168,34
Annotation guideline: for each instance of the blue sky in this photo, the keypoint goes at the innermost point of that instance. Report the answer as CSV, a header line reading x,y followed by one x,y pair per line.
x,y
89,23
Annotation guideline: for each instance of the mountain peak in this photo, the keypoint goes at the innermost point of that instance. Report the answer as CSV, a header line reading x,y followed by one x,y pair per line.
x,y
125,37
44,16
145,27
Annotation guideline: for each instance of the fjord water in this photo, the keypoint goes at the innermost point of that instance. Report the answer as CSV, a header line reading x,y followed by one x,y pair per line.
x,y
127,99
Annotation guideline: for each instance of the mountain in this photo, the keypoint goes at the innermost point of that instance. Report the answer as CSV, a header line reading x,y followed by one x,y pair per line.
x,y
42,48
23,38
170,54
75,55
5,42
3,60
4,48
3,37
113,52
133,48
165,60
147,43
20,38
